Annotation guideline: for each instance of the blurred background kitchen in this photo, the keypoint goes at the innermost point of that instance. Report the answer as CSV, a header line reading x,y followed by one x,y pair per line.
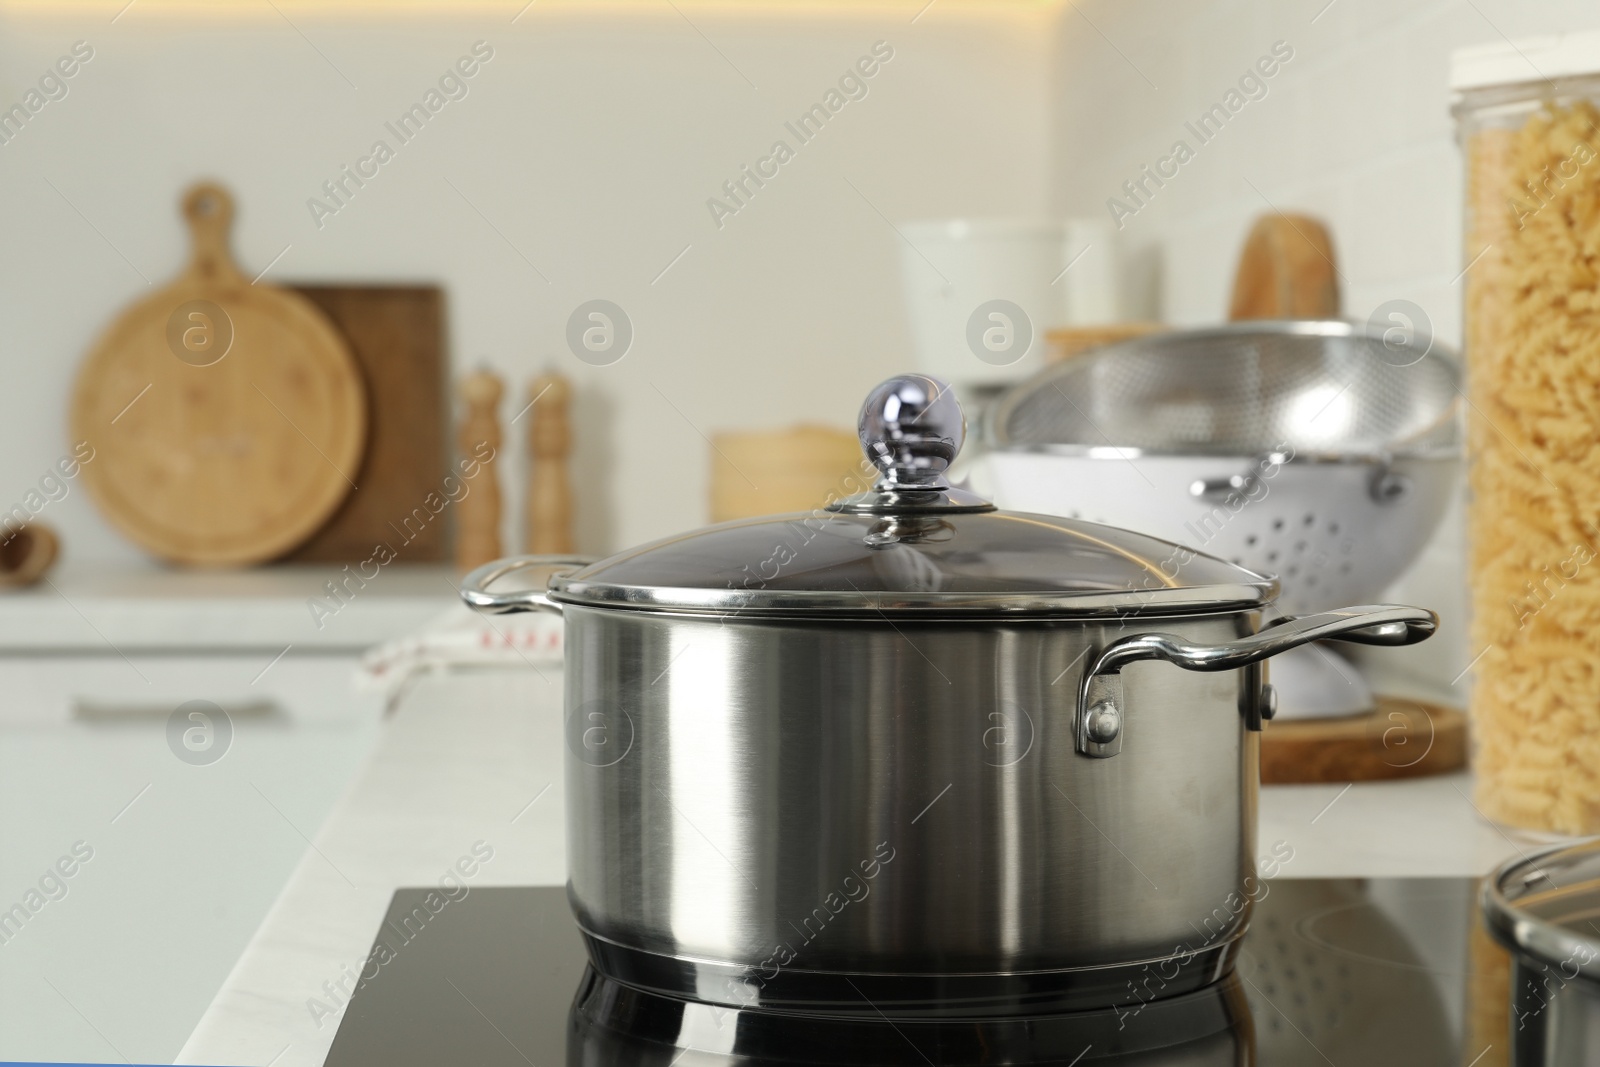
x,y
589,155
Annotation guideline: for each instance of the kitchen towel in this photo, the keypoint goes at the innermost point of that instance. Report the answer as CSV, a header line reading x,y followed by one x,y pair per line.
x,y
463,638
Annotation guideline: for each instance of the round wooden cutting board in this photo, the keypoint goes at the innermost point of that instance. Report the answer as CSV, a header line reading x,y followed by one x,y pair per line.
x,y
1399,738
228,419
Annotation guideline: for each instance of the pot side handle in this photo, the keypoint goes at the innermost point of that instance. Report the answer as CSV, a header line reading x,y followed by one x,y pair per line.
x,y
475,586
1097,724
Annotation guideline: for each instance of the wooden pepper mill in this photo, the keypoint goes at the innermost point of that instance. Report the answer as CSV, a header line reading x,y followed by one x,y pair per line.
x,y
548,526
478,513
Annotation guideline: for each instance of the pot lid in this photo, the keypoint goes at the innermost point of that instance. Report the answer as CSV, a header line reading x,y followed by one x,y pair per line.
x,y
1547,906
914,543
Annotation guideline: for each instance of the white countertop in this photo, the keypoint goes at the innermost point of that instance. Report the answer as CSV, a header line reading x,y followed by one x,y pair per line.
x,y
154,608
476,757
462,760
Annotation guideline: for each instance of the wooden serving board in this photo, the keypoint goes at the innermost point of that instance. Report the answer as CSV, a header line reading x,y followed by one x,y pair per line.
x,y
1286,271
1071,341
396,333
1401,738
228,418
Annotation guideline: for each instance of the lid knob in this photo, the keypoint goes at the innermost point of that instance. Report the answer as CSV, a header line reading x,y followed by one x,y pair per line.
x,y
911,428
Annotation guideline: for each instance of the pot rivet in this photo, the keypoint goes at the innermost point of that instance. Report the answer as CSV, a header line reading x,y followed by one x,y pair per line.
x,y
1269,702
1104,723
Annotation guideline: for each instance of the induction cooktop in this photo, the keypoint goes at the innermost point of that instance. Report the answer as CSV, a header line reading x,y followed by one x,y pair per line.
x,y
1365,973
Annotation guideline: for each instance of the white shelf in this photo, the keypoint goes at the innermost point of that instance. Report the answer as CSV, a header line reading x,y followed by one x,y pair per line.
x,y
154,609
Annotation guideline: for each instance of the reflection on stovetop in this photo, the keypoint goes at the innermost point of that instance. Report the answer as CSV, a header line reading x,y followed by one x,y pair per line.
x,y
1366,973
612,1024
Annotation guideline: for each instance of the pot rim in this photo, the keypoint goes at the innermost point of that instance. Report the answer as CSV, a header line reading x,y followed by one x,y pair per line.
x,y
1545,876
817,604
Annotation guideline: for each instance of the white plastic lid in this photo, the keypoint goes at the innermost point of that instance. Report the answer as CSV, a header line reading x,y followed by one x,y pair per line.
x,y
1530,59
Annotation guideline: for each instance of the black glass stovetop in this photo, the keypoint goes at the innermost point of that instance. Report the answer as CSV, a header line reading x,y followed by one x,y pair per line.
x,y
1365,973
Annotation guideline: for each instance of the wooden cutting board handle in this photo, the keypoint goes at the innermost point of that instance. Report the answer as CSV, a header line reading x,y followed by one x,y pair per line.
x,y
208,208
1287,270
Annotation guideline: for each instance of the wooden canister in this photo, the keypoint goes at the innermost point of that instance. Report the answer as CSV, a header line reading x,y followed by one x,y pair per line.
x,y
766,473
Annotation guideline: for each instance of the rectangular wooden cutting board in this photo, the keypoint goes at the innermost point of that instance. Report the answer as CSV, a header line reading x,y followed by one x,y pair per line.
x,y
396,333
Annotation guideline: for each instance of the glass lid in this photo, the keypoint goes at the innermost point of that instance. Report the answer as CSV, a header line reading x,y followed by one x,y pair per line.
x,y
914,543
1548,906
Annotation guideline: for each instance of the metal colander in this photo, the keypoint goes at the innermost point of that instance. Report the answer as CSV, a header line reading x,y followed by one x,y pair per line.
x,y
1317,387
1313,451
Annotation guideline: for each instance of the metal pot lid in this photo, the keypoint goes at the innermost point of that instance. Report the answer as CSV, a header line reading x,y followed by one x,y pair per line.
x,y
914,543
1548,906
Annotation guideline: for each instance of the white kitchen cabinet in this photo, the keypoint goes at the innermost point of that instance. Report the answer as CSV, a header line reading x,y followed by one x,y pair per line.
x,y
119,959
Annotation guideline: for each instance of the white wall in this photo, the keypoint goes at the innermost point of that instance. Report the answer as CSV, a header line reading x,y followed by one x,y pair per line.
x,y
591,140
1355,129
595,136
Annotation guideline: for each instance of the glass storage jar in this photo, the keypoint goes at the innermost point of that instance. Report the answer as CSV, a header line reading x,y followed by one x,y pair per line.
x,y
1528,122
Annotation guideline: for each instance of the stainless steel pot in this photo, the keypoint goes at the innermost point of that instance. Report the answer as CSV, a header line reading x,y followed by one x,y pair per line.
x,y
907,748
1545,909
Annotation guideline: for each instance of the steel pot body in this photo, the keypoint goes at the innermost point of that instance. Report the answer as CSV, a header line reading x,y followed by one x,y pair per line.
x,y
1555,1017
782,795
913,754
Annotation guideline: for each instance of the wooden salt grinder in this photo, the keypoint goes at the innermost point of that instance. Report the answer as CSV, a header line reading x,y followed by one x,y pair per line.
x,y
547,529
478,513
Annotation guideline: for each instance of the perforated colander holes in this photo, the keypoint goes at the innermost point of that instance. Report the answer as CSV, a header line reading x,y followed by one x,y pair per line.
x,y
1300,547
1300,568
1318,561
1250,541
1321,559
1345,547
1254,541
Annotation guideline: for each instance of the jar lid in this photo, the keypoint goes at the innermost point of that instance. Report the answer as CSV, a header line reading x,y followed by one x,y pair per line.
x,y
914,543
1528,59
1548,906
